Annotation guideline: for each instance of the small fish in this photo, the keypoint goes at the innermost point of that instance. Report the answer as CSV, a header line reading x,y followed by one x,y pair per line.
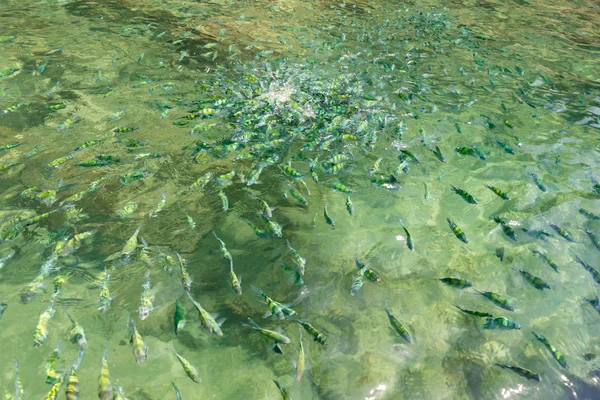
x,y
273,227
51,375
547,259
257,231
53,51
438,153
133,176
341,187
146,298
498,192
41,330
189,369
105,298
179,317
349,206
208,321
7,258
558,356
326,215
593,271
595,302
591,235
497,300
224,200
53,393
270,335
480,153
128,209
456,282
235,282
588,214
8,72
72,390
224,252
294,272
159,206
76,333
140,351
525,373
466,151
19,391
457,231
300,262
105,389
186,281
505,147
502,323
398,327
537,233
178,395
289,171
3,307
358,282
409,241
508,231
301,361
284,393
406,153
536,282
317,336
465,195
298,196
562,232
539,183
474,313
275,307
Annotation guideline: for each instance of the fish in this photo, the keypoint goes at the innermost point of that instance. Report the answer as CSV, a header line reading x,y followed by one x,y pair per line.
x,y
76,333
72,391
235,282
105,298
558,356
159,206
537,233
465,195
316,335
105,387
456,282
273,227
595,302
562,232
457,231
257,231
406,153
128,209
178,395
298,196
409,240
498,192
508,231
298,259
498,300
270,335
398,327
289,171
326,215
340,187
19,391
224,252
3,307
505,147
588,214
591,235
294,272
275,307
301,361
466,151
189,369
186,281
358,282
480,153
5,73
502,323
7,258
539,183
525,373
208,321
546,258
282,391
131,243
535,281
133,176
480,314
594,272
140,351
438,153
41,330
51,375
146,298
53,393
349,206
179,317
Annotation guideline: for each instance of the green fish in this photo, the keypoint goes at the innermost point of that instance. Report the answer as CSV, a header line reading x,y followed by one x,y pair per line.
x,y
562,232
298,196
497,300
189,369
341,187
349,206
179,317
438,153
525,373
358,282
457,231
508,231
539,183
536,282
505,147
498,192
502,323
257,231
284,393
51,375
326,215
273,227
474,313
87,144
317,336
466,151
465,195
588,214
224,200
406,153
289,171
594,272
275,307
398,327
178,395
558,356
224,252
480,153
270,335
547,259
593,238
409,240
456,282
8,72
298,280
133,176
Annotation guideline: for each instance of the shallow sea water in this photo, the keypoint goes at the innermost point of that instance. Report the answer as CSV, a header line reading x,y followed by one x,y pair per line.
x,y
292,81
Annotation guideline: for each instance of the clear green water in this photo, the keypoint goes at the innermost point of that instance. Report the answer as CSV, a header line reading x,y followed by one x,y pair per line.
x,y
286,81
